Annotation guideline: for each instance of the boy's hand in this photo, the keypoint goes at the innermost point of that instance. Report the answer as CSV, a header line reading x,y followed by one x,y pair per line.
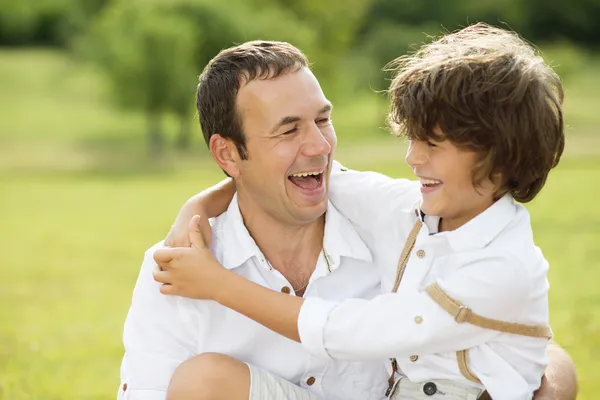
x,y
179,235
189,271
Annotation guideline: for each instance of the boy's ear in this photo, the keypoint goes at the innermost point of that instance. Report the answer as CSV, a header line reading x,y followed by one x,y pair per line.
x,y
225,154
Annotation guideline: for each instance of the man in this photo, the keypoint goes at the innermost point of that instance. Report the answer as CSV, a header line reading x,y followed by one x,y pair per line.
x,y
267,124
274,232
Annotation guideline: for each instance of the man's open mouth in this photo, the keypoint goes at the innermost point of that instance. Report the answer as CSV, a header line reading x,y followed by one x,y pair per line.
x,y
307,180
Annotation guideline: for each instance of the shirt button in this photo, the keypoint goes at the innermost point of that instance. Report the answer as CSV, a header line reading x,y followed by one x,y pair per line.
x,y
430,389
310,381
124,387
418,319
414,358
286,290
421,253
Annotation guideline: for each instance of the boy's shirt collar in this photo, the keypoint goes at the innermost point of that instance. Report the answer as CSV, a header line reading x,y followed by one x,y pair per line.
x,y
478,232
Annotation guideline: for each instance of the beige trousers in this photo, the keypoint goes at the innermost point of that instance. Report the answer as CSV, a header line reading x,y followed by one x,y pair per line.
x,y
435,389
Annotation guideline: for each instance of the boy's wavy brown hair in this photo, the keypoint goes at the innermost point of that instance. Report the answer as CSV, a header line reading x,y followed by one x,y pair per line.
x,y
488,91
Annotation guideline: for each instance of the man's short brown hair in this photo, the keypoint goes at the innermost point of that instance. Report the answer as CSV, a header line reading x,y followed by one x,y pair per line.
x,y
224,75
488,91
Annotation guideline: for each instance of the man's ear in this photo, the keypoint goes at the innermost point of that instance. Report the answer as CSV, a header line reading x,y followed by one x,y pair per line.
x,y
225,154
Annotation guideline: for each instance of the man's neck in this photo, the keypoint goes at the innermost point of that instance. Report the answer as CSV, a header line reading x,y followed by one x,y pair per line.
x,y
289,248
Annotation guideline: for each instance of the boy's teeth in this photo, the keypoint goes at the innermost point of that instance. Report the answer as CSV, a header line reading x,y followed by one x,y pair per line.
x,y
429,182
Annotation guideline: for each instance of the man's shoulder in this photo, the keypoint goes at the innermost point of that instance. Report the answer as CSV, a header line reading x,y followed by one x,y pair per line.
x,y
220,228
218,225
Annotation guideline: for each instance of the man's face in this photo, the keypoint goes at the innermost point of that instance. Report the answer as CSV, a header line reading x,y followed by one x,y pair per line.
x,y
290,142
445,172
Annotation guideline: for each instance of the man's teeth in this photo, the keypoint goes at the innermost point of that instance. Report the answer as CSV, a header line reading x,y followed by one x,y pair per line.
x,y
430,181
303,174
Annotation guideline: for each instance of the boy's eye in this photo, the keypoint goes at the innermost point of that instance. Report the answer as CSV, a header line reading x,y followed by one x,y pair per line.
x,y
323,121
431,144
289,132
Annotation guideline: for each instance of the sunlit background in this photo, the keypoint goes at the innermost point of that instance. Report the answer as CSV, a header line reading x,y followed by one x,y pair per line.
x,y
99,147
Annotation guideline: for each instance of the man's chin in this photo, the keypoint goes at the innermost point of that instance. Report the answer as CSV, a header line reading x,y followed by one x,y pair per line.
x,y
311,212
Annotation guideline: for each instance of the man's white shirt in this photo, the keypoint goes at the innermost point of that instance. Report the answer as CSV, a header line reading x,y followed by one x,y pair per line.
x,y
490,264
163,331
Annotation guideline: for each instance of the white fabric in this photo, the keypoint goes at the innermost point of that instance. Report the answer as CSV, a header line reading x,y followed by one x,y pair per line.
x,y
266,386
163,331
490,264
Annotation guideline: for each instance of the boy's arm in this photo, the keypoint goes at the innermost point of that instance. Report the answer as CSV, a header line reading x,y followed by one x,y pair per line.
x,y
394,324
209,203
560,379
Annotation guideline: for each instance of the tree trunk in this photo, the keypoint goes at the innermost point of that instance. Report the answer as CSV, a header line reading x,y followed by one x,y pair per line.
x,y
185,132
155,138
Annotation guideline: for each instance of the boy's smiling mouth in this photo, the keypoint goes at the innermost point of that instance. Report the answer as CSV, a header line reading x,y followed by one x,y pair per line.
x,y
429,185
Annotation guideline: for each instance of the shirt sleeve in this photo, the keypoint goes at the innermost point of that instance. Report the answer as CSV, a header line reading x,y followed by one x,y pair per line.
x,y
410,322
157,339
368,198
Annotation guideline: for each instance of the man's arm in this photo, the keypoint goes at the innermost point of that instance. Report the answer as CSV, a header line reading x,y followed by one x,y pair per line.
x,y
560,379
156,338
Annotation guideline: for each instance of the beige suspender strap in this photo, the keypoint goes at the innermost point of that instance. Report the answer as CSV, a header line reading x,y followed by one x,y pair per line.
x,y
404,256
463,365
462,313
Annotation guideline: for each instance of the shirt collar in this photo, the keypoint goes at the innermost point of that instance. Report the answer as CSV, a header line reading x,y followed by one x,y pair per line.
x,y
238,245
481,230
340,238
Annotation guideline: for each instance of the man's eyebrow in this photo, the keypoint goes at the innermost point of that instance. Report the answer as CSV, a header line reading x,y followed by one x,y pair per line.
x,y
291,118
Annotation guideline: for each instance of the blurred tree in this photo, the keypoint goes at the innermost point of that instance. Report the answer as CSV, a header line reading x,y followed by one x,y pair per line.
x,y
44,22
334,25
153,50
537,20
148,56
577,20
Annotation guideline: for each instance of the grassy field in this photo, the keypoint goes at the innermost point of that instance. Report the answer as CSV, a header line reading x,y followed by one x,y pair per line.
x,y
79,204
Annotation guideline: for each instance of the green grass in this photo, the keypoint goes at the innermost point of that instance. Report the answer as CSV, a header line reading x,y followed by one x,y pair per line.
x,y
79,204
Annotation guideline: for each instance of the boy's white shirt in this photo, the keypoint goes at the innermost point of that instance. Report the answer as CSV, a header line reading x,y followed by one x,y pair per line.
x,y
490,264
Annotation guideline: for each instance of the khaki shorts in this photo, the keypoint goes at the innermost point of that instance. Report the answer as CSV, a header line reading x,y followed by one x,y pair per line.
x,y
435,389
266,386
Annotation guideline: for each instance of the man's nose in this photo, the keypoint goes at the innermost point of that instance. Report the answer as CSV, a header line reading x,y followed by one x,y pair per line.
x,y
316,143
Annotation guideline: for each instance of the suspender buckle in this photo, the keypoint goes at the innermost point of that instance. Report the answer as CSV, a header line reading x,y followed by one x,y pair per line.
x,y
463,314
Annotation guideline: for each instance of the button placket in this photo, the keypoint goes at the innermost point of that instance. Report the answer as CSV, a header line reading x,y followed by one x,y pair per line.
x,y
273,278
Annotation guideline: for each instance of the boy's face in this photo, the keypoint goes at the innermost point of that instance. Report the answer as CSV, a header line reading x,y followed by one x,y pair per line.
x,y
446,175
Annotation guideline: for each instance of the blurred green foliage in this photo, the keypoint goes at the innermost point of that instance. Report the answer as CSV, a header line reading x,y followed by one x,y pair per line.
x,y
153,50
